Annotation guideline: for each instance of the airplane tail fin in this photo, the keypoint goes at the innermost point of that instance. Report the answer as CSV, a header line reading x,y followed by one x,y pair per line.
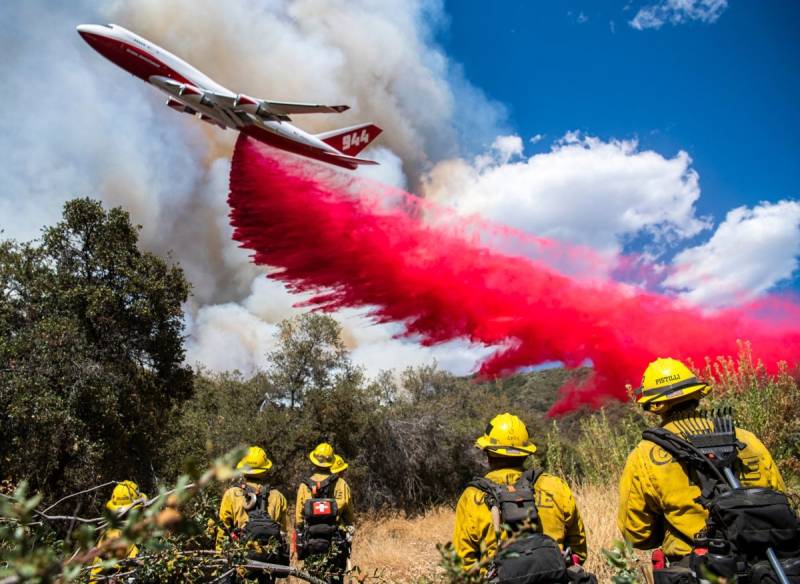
x,y
352,140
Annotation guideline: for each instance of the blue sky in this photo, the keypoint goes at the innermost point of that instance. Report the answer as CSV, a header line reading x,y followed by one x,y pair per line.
x,y
726,92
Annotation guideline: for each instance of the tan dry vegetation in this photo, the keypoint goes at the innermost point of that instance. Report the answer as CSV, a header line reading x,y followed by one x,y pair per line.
x,y
598,506
403,549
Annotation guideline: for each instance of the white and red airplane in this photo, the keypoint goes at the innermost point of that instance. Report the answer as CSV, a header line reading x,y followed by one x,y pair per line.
x,y
194,93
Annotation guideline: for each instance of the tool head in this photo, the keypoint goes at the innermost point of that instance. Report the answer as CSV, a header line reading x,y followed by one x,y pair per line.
x,y
713,433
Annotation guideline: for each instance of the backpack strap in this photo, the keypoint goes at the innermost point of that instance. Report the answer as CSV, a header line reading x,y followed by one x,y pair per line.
x,y
493,491
321,489
529,477
488,488
528,481
710,479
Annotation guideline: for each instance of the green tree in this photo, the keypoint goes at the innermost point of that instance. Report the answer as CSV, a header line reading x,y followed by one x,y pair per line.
x,y
310,356
91,352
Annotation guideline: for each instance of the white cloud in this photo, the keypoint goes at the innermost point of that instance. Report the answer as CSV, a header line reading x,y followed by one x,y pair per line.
x,y
536,139
579,18
749,253
583,191
678,12
507,148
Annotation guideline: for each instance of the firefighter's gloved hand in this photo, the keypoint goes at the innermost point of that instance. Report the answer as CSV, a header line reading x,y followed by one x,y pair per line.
x,y
350,532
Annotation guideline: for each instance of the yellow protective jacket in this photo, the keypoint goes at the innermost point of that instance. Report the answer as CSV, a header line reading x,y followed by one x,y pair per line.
x,y
657,500
233,515
558,513
111,534
341,492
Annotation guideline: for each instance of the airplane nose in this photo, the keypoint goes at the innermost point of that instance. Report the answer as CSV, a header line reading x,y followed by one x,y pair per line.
x,y
87,31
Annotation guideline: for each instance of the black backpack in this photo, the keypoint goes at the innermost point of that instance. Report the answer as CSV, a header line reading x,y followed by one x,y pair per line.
x,y
532,557
320,519
263,530
742,522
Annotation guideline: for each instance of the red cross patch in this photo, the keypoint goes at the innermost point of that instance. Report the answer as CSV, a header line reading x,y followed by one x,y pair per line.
x,y
321,508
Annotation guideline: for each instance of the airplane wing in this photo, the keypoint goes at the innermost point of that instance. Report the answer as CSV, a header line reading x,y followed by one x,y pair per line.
x,y
249,104
289,108
280,110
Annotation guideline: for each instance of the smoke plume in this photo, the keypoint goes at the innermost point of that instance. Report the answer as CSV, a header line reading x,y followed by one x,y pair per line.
x,y
350,243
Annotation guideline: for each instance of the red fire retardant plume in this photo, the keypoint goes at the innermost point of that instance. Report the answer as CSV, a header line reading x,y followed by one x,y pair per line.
x,y
326,234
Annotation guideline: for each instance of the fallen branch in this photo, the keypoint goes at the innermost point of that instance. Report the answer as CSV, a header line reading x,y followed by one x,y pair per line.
x,y
216,558
89,490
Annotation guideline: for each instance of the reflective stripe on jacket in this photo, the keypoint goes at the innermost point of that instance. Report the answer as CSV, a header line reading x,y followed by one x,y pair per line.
x,y
558,514
233,515
341,492
657,500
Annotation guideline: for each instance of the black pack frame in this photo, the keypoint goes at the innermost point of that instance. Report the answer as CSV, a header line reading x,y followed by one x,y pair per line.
x,y
706,444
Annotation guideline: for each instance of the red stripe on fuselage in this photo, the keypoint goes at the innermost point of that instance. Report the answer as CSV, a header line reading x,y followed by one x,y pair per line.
x,y
132,58
289,145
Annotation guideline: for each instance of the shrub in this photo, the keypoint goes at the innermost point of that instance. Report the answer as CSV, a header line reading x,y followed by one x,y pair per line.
x,y
597,451
767,404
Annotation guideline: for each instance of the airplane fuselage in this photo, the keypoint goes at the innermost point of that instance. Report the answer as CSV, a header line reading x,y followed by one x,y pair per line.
x,y
193,92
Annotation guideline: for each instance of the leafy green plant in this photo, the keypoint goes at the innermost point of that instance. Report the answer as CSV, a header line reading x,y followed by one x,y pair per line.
x,y
623,561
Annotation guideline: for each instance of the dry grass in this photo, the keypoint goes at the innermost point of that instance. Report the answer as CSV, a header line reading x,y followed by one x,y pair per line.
x,y
598,506
399,549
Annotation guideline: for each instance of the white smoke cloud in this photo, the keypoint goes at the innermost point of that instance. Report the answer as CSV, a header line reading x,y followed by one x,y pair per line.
x,y
76,125
749,253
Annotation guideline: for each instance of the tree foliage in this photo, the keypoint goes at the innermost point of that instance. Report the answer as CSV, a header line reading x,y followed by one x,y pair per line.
x,y
310,356
91,352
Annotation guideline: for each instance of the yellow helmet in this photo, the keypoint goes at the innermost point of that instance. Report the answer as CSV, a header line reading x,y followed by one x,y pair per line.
x,y
323,455
339,465
255,463
667,382
506,435
124,495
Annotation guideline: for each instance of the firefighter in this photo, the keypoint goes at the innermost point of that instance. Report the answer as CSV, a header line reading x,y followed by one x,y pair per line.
x,y
321,531
658,500
507,447
125,496
252,513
